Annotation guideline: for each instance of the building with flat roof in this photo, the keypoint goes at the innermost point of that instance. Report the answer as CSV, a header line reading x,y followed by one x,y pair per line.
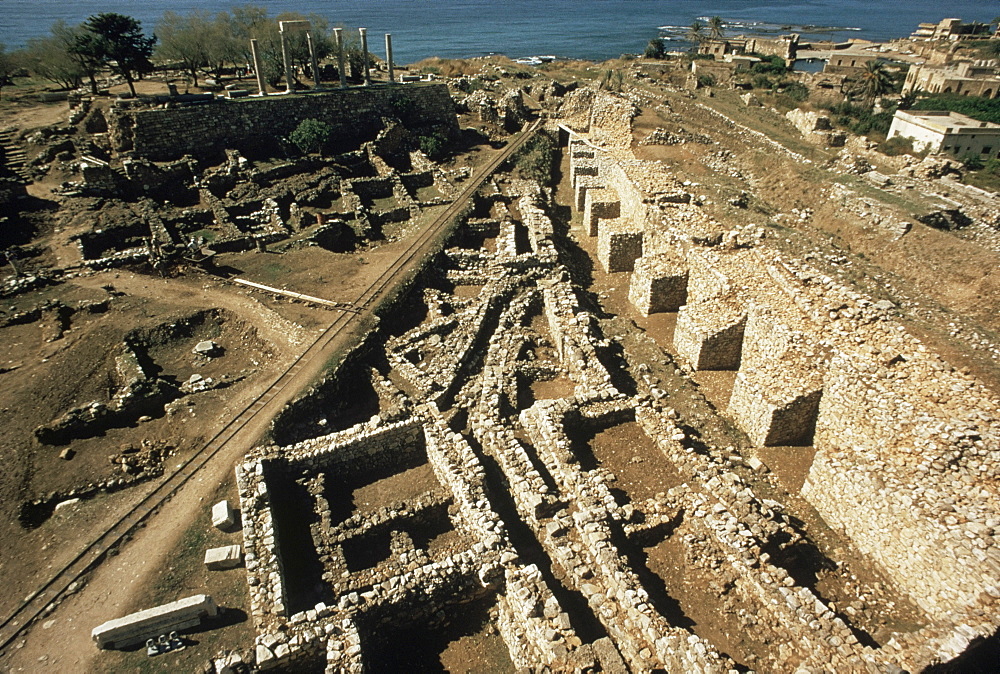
x,y
951,29
966,78
947,132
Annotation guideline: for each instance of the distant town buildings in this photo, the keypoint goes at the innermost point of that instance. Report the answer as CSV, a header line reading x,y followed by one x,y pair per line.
x,y
784,46
951,29
948,132
967,78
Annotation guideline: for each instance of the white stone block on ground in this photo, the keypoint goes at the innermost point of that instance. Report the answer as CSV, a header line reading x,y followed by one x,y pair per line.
x,y
223,516
583,185
227,557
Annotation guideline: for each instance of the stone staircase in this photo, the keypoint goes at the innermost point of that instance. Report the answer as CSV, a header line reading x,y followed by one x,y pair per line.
x,y
13,157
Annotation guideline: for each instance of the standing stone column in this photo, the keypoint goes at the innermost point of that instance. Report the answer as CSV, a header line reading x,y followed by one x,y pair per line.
x,y
289,83
312,58
257,69
339,39
364,54
388,56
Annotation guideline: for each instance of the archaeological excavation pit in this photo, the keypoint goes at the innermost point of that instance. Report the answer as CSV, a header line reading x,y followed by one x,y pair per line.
x,y
534,490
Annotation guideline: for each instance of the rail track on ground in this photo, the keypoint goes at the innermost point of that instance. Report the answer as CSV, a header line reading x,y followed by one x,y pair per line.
x,y
93,553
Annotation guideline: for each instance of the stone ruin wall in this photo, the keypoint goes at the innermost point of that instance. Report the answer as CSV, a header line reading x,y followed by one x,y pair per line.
x,y
905,445
245,123
788,331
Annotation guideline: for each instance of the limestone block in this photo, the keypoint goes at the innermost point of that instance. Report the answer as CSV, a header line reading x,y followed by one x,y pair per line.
x,y
600,203
223,516
776,405
226,557
709,334
659,283
619,245
135,628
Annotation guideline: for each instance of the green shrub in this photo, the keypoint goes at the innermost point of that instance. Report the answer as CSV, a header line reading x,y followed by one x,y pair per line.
x,y
972,162
896,146
983,109
762,82
537,159
311,135
656,49
706,81
434,145
796,91
402,106
769,65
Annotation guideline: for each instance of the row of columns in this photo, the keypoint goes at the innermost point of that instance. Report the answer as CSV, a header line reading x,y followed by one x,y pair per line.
x,y
339,40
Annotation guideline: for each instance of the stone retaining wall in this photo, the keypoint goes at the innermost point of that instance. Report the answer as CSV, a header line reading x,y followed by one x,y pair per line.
x,y
250,123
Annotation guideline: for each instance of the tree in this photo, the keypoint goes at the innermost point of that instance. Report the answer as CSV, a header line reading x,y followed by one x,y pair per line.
x,y
121,45
872,82
716,28
50,57
87,51
656,49
8,65
311,135
696,33
909,99
192,39
612,80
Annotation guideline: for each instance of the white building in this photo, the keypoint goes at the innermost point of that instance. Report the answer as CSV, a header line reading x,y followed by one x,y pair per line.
x,y
948,132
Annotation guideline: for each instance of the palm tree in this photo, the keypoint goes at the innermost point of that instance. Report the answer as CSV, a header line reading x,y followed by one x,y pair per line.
x,y
696,33
873,81
909,99
716,28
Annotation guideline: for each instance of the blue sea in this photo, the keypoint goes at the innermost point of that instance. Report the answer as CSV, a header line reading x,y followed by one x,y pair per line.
x,y
586,29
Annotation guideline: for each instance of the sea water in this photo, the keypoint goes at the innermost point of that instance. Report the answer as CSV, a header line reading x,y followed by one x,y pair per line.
x,y
585,29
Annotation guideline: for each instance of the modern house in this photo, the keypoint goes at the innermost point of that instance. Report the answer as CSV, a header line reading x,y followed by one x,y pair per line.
x,y
947,132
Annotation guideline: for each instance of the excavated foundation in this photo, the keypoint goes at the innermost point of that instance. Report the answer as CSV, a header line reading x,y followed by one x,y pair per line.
x,y
533,489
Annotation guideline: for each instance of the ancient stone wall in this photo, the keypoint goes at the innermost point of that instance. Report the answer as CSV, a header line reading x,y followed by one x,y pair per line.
x,y
906,446
249,123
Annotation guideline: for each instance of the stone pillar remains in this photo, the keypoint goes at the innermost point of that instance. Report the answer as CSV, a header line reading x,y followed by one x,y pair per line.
x,y
388,56
777,405
312,59
709,334
364,55
619,245
600,203
338,36
257,69
659,283
289,84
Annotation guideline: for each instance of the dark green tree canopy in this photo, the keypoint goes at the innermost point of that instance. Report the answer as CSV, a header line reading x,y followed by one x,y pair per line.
x,y
656,49
311,135
117,41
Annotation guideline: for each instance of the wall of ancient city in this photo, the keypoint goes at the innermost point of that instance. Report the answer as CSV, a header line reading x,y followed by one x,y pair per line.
x,y
247,123
905,445
492,390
